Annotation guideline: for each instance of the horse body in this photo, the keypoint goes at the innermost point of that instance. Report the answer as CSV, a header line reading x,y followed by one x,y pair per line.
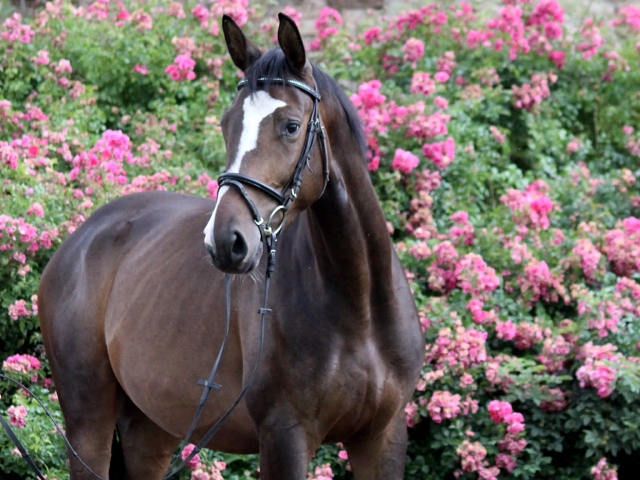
x,y
132,317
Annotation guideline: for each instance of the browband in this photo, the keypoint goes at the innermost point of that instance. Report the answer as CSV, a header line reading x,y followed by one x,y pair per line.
x,y
284,81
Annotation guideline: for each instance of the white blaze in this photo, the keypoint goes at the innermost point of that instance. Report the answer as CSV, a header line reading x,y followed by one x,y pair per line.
x,y
256,107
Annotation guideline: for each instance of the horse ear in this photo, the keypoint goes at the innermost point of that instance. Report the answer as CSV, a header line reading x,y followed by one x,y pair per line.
x,y
291,44
242,50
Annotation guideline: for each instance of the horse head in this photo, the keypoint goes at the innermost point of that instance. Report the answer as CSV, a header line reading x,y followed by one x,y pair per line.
x,y
270,132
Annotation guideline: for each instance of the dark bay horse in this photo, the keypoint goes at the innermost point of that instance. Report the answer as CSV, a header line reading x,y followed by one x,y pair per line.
x,y
132,312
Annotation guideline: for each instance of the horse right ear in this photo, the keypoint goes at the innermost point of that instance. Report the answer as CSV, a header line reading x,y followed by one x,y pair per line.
x,y
242,50
291,43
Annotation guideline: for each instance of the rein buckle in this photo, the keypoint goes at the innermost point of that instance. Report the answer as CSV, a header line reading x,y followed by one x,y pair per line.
x,y
213,385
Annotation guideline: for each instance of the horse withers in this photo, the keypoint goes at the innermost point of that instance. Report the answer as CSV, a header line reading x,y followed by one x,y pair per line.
x,y
133,313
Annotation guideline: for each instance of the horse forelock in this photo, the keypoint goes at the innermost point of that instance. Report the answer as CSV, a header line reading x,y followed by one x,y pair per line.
x,y
271,65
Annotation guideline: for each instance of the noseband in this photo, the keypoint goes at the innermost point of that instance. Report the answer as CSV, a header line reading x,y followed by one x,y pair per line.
x,y
291,188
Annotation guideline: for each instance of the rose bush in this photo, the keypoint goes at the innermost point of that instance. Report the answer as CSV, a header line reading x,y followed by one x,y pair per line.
x,y
503,144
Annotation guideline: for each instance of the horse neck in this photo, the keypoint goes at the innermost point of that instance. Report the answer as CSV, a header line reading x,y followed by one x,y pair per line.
x,y
348,228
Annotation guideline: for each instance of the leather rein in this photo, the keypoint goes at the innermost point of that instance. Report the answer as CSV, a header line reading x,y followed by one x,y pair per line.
x,y
269,234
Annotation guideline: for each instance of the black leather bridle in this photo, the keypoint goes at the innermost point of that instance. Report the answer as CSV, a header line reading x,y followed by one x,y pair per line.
x,y
291,188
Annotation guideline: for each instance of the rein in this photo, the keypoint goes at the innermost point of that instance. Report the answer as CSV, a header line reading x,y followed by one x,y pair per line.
x,y
208,385
23,450
285,199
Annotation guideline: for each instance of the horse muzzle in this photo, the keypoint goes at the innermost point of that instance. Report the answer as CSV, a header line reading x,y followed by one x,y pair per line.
x,y
235,253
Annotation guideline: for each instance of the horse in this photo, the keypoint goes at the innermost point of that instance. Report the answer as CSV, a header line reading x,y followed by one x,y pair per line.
x,y
132,312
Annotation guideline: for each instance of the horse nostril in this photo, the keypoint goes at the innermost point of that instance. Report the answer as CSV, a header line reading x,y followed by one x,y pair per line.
x,y
238,247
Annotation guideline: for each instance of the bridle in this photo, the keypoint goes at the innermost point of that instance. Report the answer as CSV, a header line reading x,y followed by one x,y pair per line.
x,y
285,198
291,188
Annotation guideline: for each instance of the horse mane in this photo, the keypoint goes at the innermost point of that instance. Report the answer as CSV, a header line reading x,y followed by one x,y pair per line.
x,y
272,65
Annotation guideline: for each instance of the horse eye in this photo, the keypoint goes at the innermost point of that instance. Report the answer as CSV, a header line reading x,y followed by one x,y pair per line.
x,y
292,128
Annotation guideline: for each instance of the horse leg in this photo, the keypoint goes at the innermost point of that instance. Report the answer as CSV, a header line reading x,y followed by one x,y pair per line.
x,y
285,450
90,405
382,457
147,449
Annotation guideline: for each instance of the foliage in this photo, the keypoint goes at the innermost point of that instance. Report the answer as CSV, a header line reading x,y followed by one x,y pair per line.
x,y
504,149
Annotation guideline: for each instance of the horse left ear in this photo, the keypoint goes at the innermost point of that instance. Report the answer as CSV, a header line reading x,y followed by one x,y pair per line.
x,y
291,43
243,51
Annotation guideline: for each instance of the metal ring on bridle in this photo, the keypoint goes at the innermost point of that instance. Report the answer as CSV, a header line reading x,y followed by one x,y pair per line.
x,y
267,229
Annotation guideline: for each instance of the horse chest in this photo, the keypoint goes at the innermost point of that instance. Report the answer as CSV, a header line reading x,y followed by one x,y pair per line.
x,y
336,385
